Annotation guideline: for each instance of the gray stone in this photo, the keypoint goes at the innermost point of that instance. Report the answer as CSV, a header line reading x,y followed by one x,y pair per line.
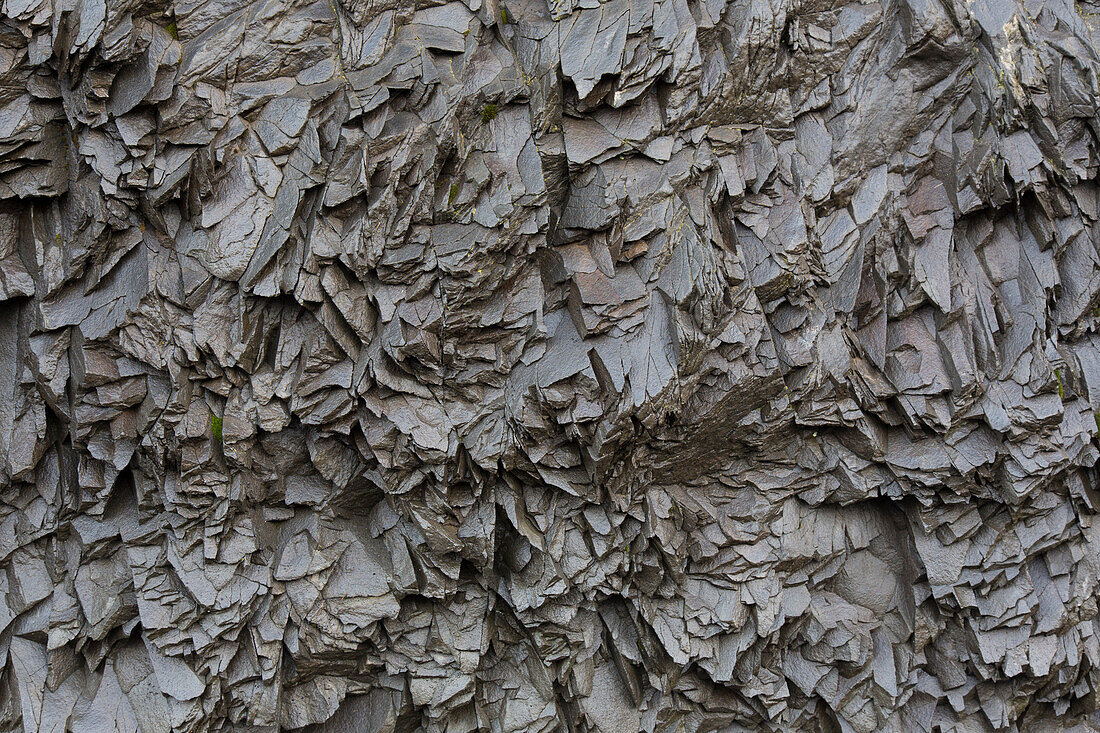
x,y
531,365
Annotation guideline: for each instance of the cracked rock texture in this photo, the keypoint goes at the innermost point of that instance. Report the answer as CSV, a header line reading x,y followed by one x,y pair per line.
x,y
530,365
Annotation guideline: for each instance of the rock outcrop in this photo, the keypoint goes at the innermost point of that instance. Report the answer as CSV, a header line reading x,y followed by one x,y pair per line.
x,y
530,365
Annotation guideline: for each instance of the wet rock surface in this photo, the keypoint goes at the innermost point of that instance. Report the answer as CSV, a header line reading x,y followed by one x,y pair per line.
x,y
663,365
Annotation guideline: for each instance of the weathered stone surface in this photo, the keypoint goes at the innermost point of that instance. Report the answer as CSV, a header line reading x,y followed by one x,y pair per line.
x,y
530,365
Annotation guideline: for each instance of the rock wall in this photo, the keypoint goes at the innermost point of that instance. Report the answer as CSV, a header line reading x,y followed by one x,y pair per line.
x,y
530,365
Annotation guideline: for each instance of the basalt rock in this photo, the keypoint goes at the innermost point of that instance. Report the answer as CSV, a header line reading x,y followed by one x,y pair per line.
x,y
530,365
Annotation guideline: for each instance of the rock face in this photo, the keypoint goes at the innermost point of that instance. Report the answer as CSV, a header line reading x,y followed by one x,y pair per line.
x,y
530,365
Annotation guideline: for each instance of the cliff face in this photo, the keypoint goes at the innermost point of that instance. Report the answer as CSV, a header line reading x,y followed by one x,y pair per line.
x,y
591,365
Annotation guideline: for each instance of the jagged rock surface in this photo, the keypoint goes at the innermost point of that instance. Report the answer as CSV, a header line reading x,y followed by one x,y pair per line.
x,y
663,365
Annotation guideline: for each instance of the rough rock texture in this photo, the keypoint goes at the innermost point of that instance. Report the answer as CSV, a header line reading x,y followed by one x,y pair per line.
x,y
590,365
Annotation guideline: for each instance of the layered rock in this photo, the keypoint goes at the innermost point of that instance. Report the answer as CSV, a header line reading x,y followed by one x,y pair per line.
x,y
529,365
